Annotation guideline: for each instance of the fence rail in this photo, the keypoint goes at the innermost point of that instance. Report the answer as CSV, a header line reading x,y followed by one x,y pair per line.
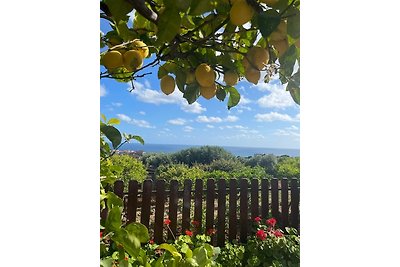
x,y
227,206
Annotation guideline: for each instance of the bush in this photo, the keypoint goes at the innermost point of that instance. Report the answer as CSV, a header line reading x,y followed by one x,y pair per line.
x,y
201,155
153,160
256,172
231,255
268,162
227,165
288,167
179,172
129,168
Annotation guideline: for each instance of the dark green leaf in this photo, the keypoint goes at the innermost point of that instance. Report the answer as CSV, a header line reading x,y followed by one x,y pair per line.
x,y
135,137
112,134
191,93
182,5
294,92
221,94
161,72
234,97
168,25
180,80
139,230
198,7
268,21
287,61
293,23
119,9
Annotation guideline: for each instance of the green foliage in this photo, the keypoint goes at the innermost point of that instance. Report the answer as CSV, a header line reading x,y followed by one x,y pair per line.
x,y
288,167
231,255
179,172
201,155
226,165
153,160
129,168
268,162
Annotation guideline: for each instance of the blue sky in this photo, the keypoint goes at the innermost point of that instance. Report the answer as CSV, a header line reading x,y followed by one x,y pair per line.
x,y
265,117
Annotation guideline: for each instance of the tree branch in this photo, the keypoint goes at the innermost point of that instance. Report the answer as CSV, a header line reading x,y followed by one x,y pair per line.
x,y
143,10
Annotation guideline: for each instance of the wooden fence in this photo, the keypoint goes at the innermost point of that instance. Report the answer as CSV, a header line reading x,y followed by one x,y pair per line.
x,y
230,206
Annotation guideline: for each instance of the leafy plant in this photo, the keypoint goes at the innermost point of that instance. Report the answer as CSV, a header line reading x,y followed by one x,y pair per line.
x,y
129,168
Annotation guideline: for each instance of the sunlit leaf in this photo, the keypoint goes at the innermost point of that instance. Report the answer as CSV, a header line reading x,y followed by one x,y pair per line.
x,y
234,97
112,134
168,25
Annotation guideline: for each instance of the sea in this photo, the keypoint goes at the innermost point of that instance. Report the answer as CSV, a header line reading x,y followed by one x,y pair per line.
x,y
237,151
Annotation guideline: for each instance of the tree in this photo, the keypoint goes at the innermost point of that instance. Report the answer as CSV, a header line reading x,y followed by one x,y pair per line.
x,y
194,43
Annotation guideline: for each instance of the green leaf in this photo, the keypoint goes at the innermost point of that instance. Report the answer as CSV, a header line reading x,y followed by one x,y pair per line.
x,y
200,255
113,200
113,121
119,9
180,80
294,91
293,23
198,7
130,242
268,21
161,72
287,61
124,32
129,137
112,134
104,118
139,230
234,97
113,221
108,262
191,93
182,5
168,25
221,94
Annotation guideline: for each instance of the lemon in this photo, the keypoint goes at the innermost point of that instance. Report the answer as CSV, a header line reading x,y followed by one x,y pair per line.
x,y
133,60
280,32
281,46
231,78
258,56
112,60
208,92
167,84
205,75
245,62
241,13
252,75
141,47
190,78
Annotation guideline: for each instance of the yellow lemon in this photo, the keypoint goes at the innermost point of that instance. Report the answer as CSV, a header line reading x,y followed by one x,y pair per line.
x,y
133,60
231,78
245,62
281,46
141,47
167,84
112,60
241,13
205,75
258,56
252,75
208,92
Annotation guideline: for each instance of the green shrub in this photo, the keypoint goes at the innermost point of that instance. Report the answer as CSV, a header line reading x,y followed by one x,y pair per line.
x,y
202,155
288,167
153,160
129,168
231,255
179,172
227,165
256,172
268,162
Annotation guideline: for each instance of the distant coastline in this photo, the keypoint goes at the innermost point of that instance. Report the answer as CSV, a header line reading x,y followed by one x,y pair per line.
x,y
237,151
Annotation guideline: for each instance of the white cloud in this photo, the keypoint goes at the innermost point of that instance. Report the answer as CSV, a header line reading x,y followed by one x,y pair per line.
x,y
278,97
116,104
231,118
188,129
139,123
103,90
156,97
177,121
211,119
142,113
210,126
273,116
288,131
208,119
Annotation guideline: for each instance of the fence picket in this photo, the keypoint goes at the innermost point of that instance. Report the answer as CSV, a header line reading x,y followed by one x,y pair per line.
x,y
146,202
264,198
254,198
210,206
232,209
285,203
198,203
275,198
159,211
132,201
173,209
187,195
243,210
295,201
221,212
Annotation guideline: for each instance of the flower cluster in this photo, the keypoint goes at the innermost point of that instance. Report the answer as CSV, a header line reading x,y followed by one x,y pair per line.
x,y
263,231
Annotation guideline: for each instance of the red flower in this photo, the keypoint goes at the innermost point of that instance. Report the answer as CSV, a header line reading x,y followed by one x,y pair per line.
x,y
195,223
151,241
271,222
261,234
101,234
211,231
257,219
278,233
189,233
126,258
167,221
